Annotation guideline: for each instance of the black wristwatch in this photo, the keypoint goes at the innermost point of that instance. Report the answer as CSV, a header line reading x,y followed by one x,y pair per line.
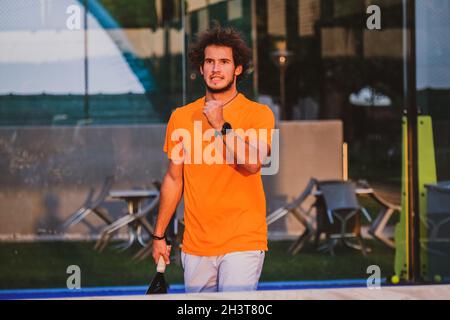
x,y
226,126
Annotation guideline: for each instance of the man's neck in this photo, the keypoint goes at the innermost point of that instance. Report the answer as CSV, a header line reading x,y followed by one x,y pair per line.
x,y
223,96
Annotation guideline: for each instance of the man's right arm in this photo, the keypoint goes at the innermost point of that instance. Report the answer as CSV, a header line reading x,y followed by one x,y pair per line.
x,y
171,190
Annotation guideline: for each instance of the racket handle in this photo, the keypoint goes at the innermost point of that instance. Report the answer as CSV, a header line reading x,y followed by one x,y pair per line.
x,y
161,267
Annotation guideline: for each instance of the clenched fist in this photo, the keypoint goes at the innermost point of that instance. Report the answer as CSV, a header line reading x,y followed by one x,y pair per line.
x,y
213,111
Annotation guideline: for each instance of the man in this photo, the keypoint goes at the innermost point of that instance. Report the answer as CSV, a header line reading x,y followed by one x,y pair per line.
x,y
225,236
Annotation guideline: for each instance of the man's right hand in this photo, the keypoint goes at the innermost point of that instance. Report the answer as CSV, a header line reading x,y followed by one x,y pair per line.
x,y
171,190
160,248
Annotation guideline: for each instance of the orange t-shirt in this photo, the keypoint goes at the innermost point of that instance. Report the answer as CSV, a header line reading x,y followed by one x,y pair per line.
x,y
224,205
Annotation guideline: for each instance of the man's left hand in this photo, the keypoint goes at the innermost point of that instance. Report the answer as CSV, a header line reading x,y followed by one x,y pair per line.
x,y
213,110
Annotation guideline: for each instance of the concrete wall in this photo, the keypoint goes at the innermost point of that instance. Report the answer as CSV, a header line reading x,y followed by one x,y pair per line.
x,y
46,172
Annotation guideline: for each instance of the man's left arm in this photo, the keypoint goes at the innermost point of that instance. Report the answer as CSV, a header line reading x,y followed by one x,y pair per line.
x,y
245,160
263,123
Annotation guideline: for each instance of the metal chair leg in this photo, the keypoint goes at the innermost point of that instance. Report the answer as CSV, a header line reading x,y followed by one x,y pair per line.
x,y
144,252
77,217
102,242
298,245
131,239
363,249
331,244
143,224
102,213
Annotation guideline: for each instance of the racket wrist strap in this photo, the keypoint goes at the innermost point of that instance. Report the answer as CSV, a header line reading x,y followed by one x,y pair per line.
x,y
158,238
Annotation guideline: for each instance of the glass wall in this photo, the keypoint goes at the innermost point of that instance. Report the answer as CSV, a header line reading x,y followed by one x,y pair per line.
x,y
86,87
340,67
81,79
433,76
433,99
41,63
338,70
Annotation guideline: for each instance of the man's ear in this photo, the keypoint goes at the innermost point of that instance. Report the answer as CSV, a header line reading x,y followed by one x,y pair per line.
x,y
201,70
238,70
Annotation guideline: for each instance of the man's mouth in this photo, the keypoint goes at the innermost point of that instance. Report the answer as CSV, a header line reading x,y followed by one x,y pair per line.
x,y
216,80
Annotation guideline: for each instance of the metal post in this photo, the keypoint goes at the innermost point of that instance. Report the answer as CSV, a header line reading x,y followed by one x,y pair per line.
x,y
412,170
283,92
183,64
86,62
345,161
254,33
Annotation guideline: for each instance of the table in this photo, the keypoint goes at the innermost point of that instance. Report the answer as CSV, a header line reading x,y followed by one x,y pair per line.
x,y
135,218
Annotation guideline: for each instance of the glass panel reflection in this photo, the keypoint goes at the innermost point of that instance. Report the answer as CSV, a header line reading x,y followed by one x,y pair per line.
x,y
114,63
337,70
41,62
135,56
433,98
93,73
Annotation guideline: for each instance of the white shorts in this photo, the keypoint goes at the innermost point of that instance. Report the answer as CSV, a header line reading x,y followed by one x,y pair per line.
x,y
235,271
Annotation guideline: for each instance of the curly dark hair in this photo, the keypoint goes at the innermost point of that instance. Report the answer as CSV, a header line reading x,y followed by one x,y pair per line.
x,y
227,37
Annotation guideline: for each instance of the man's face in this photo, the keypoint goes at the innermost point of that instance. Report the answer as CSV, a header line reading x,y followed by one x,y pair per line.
x,y
218,70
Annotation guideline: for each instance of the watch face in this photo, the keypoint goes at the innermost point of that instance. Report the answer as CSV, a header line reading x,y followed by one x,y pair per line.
x,y
226,126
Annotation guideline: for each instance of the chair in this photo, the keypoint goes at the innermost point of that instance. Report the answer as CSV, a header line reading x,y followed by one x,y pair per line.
x,y
92,206
438,216
289,207
387,211
337,214
295,207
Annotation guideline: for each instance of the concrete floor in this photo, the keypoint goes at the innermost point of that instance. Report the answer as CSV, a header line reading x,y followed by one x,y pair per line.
x,y
429,292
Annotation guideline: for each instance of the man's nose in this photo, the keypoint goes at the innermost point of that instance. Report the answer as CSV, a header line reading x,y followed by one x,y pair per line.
x,y
216,66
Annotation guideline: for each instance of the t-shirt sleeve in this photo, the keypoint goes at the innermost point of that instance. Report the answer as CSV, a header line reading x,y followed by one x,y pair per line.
x,y
169,144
